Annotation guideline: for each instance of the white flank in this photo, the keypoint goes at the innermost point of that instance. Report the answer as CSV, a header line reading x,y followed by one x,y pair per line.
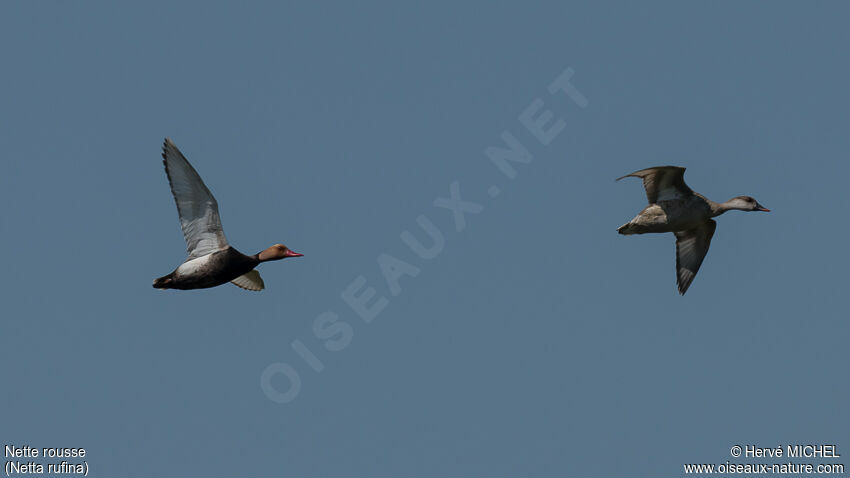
x,y
192,266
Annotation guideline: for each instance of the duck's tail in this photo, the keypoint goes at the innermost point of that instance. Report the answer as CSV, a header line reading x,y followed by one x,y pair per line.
x,y
627,229
163,282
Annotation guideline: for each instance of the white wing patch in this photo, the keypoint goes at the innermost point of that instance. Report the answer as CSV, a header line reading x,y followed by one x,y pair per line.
x,y
250,281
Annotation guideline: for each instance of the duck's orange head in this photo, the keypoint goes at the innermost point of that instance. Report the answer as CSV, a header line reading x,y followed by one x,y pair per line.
x,y
276,253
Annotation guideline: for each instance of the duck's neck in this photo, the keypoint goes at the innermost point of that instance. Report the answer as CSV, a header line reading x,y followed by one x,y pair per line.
x,y
718,208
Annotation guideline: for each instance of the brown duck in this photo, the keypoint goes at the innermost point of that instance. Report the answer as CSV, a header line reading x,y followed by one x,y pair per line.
x,y
212,261
674,207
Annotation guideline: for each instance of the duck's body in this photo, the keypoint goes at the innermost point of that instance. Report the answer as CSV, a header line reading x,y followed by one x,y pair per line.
x,y
210,270
674,207
212,261
670,216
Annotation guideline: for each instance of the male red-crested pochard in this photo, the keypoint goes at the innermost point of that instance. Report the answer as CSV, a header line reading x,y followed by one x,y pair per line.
x,y
674,207
212,261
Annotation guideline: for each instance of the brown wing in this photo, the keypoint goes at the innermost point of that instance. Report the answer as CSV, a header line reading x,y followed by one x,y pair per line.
x,y
663,183
691,248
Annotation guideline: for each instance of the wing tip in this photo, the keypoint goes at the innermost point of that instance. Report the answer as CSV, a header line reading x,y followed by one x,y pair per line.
x,y
165,145
684,280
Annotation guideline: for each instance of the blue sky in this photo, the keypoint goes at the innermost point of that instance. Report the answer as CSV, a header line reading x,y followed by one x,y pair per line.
x,y
536,342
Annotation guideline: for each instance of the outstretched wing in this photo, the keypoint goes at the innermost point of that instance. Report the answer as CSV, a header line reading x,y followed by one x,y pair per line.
x,y
663,183
196,206
250,281
691,248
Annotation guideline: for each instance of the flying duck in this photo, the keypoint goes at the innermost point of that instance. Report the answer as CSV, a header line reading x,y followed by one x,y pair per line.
x,y
212,261
674,207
